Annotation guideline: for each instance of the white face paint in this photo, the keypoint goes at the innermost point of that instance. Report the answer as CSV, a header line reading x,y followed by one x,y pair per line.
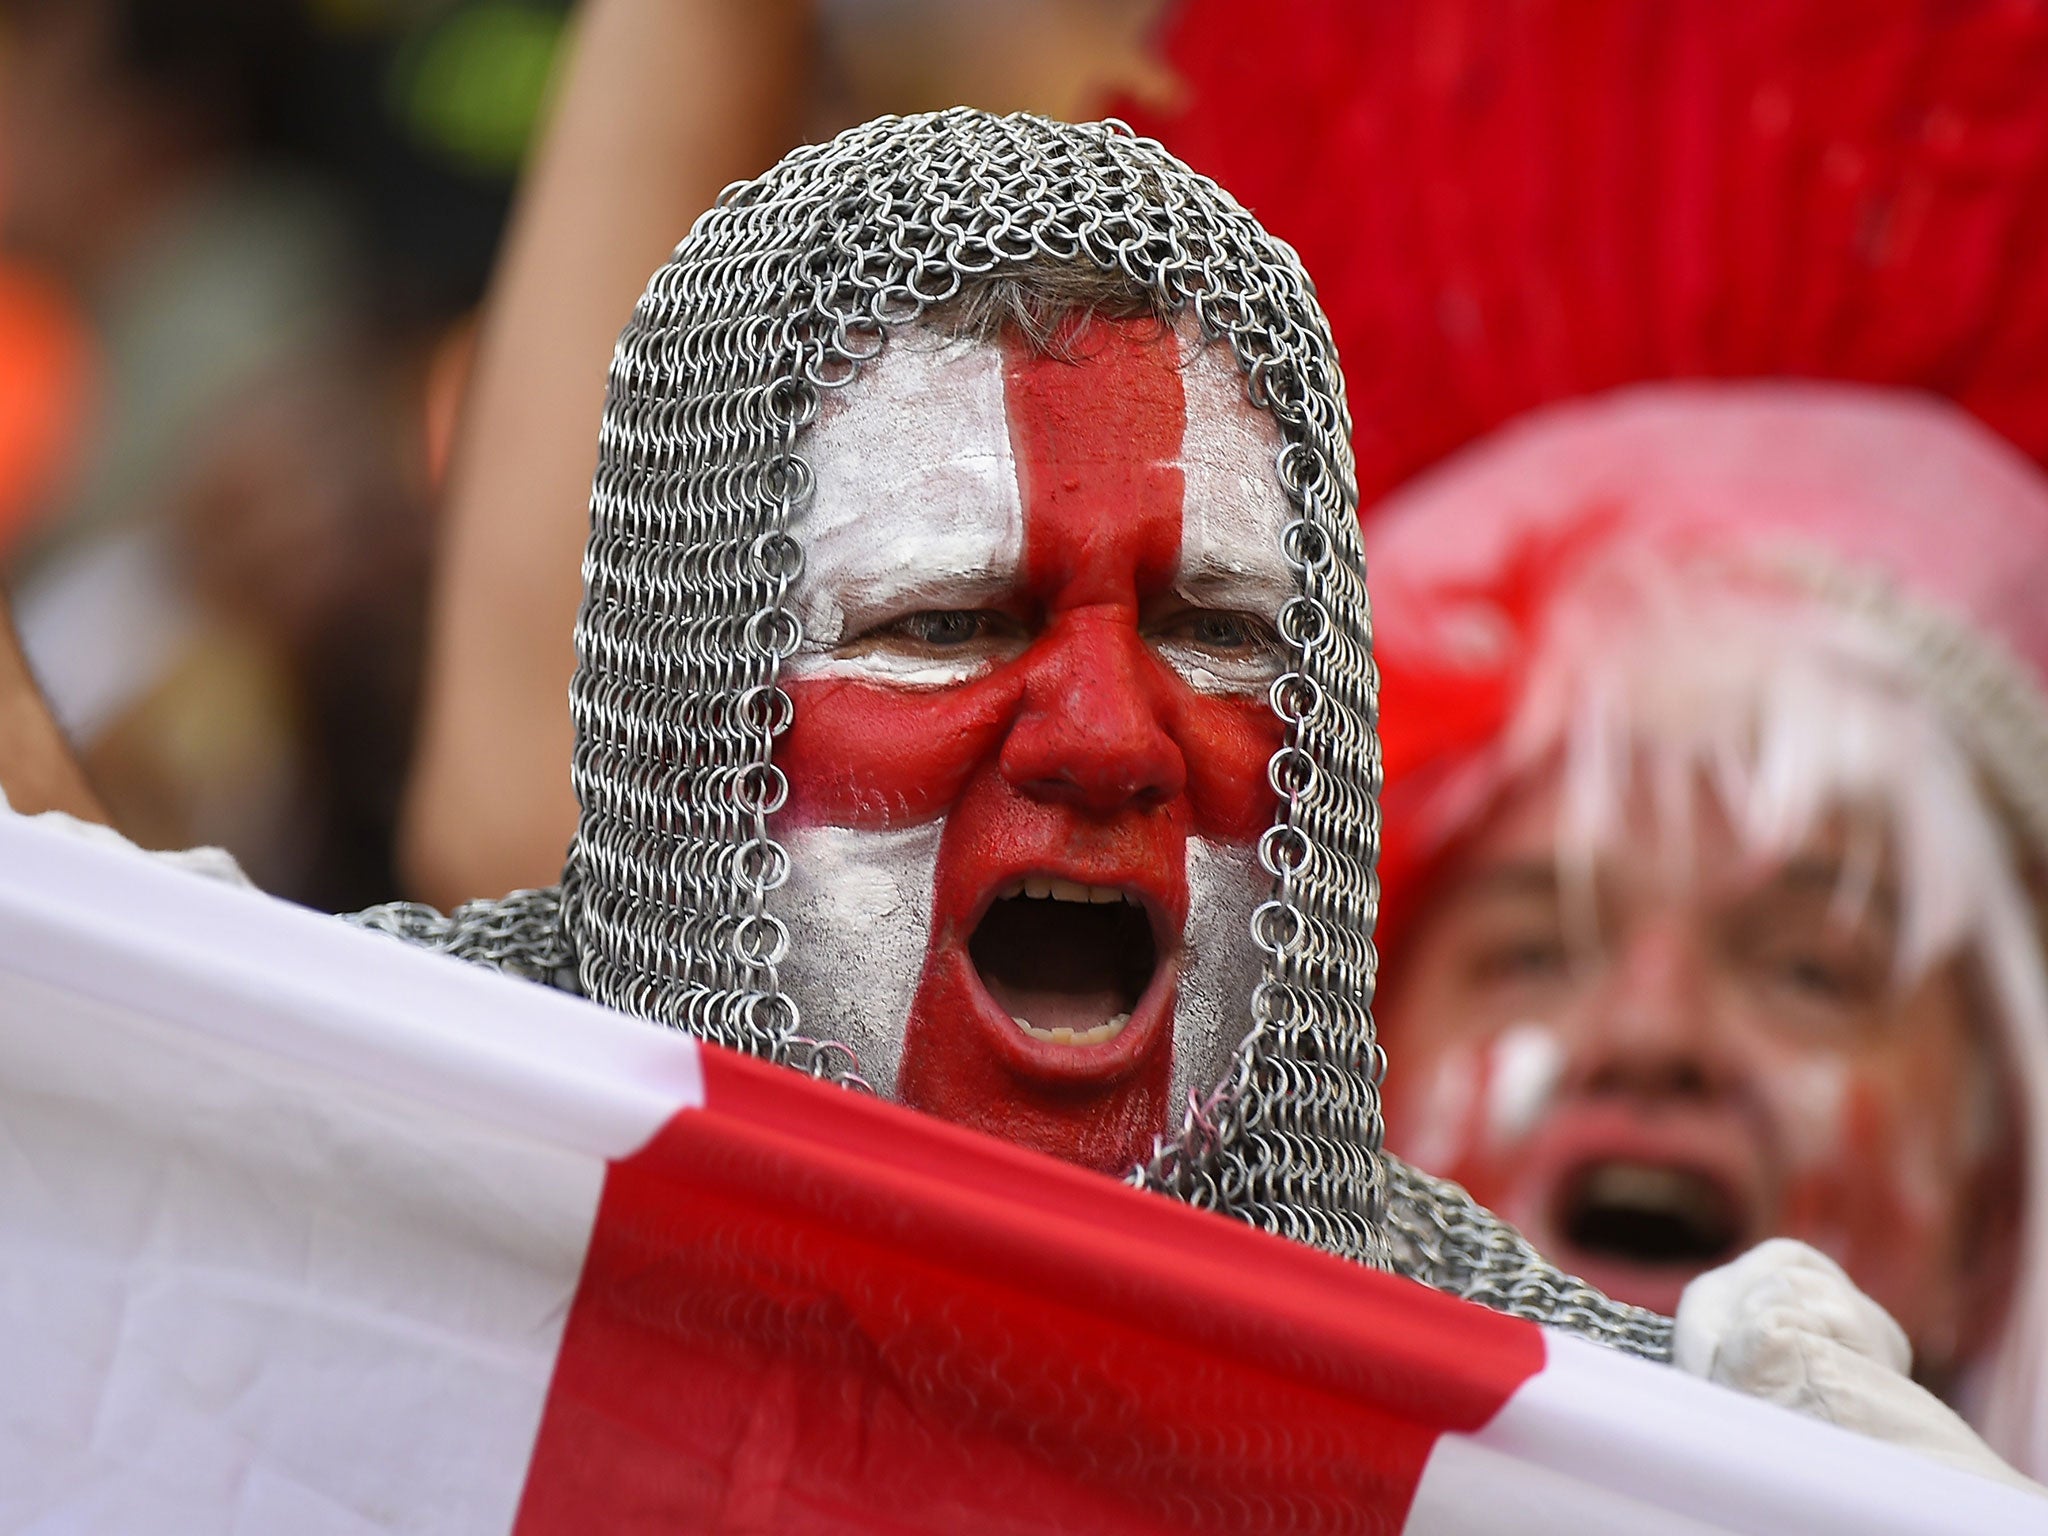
x,y
1231,516
1235,508
1220,967
1813,1093
858,906
1528,1060
916,505
1230,560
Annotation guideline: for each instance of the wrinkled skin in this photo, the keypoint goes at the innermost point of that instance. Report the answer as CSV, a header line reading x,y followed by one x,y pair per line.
x,y
1037,604
1652,1074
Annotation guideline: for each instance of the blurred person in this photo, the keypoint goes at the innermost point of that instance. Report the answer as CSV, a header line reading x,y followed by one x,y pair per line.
x,y
228,516
1709,912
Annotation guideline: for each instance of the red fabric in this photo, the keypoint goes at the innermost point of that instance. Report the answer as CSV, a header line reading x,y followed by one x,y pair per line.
x,y
808,1311
1504,204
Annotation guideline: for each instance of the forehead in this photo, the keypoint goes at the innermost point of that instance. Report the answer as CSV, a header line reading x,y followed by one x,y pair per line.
x,y
919,497
1685,846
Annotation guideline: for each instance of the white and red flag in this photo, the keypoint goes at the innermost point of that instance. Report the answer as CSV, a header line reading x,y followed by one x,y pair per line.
x,y
305,1232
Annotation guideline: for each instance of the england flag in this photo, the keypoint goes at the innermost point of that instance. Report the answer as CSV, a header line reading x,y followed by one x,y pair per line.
x,y
305,1232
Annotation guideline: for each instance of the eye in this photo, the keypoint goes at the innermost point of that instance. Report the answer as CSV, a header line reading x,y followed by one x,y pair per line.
x,y
936,646
1223,631
1810,973
1529,957
1220,631
1816,972
1219,647
1823,977
1520,958
946,628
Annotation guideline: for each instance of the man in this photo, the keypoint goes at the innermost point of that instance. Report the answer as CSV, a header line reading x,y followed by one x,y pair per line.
x,y
990,486
1124,746
1711,918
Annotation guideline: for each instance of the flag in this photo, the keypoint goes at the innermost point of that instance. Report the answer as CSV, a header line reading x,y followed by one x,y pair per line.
x,y
303,1231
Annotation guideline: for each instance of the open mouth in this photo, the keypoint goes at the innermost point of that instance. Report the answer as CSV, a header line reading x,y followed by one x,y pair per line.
x,y
1068,962
1650,1214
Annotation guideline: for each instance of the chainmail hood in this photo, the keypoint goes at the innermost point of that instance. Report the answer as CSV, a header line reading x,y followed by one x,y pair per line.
x,y
784,291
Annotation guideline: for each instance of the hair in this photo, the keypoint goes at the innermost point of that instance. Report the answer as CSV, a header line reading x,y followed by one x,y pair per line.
x,y
1048,303
1788,711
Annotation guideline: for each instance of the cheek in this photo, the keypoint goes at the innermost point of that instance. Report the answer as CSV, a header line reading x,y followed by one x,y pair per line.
x,y
1474,1099
1221,966
1867,1173
1227,743
859,755
1431,1099
1810,1095
858,908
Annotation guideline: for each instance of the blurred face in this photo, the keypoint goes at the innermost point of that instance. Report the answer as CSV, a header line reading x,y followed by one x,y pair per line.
x,y
1649,1074
1028,760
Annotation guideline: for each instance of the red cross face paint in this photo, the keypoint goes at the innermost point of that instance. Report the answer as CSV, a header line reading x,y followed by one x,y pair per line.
x,y
1027,768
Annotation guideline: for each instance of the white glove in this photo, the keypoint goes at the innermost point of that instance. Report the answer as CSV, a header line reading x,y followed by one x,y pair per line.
x,y
214,863
1785,1324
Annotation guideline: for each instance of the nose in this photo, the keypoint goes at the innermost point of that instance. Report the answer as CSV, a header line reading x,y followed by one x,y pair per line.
x,y
1652,1028
1090,732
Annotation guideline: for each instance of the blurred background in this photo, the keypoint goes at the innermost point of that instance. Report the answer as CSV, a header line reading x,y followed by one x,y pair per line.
x,y
243,243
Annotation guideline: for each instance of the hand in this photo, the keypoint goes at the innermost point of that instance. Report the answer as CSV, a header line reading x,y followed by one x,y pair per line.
x,y
1785,1324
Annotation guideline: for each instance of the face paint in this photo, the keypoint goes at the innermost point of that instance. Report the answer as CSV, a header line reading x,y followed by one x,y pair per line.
x,y
915,502
1728,1061
1219,966
858,904
1522,1077
1442,1093
1066,690
1811,1093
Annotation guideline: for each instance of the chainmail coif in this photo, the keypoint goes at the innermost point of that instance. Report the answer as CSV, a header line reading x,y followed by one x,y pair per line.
x,y
783,291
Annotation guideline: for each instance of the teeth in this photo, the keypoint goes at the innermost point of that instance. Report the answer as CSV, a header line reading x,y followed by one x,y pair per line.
x,y
1101,1034
1050,888
1644,1186
1677,1193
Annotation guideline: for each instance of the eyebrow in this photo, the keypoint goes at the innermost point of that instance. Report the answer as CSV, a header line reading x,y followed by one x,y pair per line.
x,y
1819,875
1209,578
1513,878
